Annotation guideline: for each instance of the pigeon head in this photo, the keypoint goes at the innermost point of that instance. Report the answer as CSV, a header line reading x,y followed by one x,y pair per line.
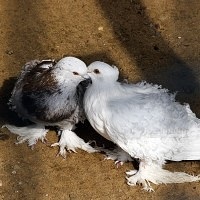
x,y
102,71
72,67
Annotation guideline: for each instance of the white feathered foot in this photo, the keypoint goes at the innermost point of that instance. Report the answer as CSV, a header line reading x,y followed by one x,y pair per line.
x,y
31,133
118,155
152,172
70,141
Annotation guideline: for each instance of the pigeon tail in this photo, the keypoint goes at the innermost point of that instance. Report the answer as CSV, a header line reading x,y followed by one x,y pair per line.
x,y
151,172
31,133
190,149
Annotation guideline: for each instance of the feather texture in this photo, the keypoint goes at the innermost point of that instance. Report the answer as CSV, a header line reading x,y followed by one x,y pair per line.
x,y
145,121
50,93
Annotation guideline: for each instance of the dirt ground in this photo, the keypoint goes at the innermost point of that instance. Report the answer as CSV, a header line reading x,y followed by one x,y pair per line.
x,y
157,41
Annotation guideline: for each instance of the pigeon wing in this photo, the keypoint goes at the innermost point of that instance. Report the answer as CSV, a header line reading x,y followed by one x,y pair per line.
x,y
29,67
144,124
33,92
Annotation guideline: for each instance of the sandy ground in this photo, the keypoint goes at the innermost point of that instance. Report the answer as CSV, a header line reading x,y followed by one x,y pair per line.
x,y
157,41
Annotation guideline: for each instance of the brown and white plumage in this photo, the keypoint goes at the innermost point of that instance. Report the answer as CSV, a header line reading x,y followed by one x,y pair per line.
x,y
50,94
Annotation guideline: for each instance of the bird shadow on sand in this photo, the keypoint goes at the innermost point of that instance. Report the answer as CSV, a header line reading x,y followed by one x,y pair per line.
x,y
7,115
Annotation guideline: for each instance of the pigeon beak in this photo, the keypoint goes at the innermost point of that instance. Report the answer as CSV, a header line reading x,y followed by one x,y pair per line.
x,y
87,79
86,76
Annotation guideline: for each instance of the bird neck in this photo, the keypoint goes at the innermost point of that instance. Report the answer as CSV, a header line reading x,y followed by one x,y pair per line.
x,y
103,85
103,90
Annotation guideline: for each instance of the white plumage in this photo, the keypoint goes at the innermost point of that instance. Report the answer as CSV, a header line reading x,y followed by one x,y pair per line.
x,y
146,122
51,94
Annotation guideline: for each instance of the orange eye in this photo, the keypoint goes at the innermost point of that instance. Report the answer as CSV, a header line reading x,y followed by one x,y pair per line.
x,y
75,73
96,71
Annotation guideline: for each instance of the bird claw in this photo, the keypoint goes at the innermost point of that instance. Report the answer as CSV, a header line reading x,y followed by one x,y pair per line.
x,y
55,144
63,155
20,140
32,147
135,179
70,141
71,150
148,189
118,155
132,172
62,152
119,163
44,140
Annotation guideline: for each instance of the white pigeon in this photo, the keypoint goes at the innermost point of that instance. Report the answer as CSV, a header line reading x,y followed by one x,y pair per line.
x,y
146,122
51,94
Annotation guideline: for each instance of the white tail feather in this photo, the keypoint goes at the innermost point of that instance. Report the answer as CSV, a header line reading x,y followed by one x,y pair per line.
x,y
155,174
190,149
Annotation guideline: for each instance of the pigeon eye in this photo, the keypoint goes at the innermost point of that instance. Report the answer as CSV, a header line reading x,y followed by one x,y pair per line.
x,y
96,71
75,73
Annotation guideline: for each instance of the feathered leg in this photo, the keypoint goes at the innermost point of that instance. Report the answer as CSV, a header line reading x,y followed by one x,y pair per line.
x,y
70,141
153,172
31,133
118,155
